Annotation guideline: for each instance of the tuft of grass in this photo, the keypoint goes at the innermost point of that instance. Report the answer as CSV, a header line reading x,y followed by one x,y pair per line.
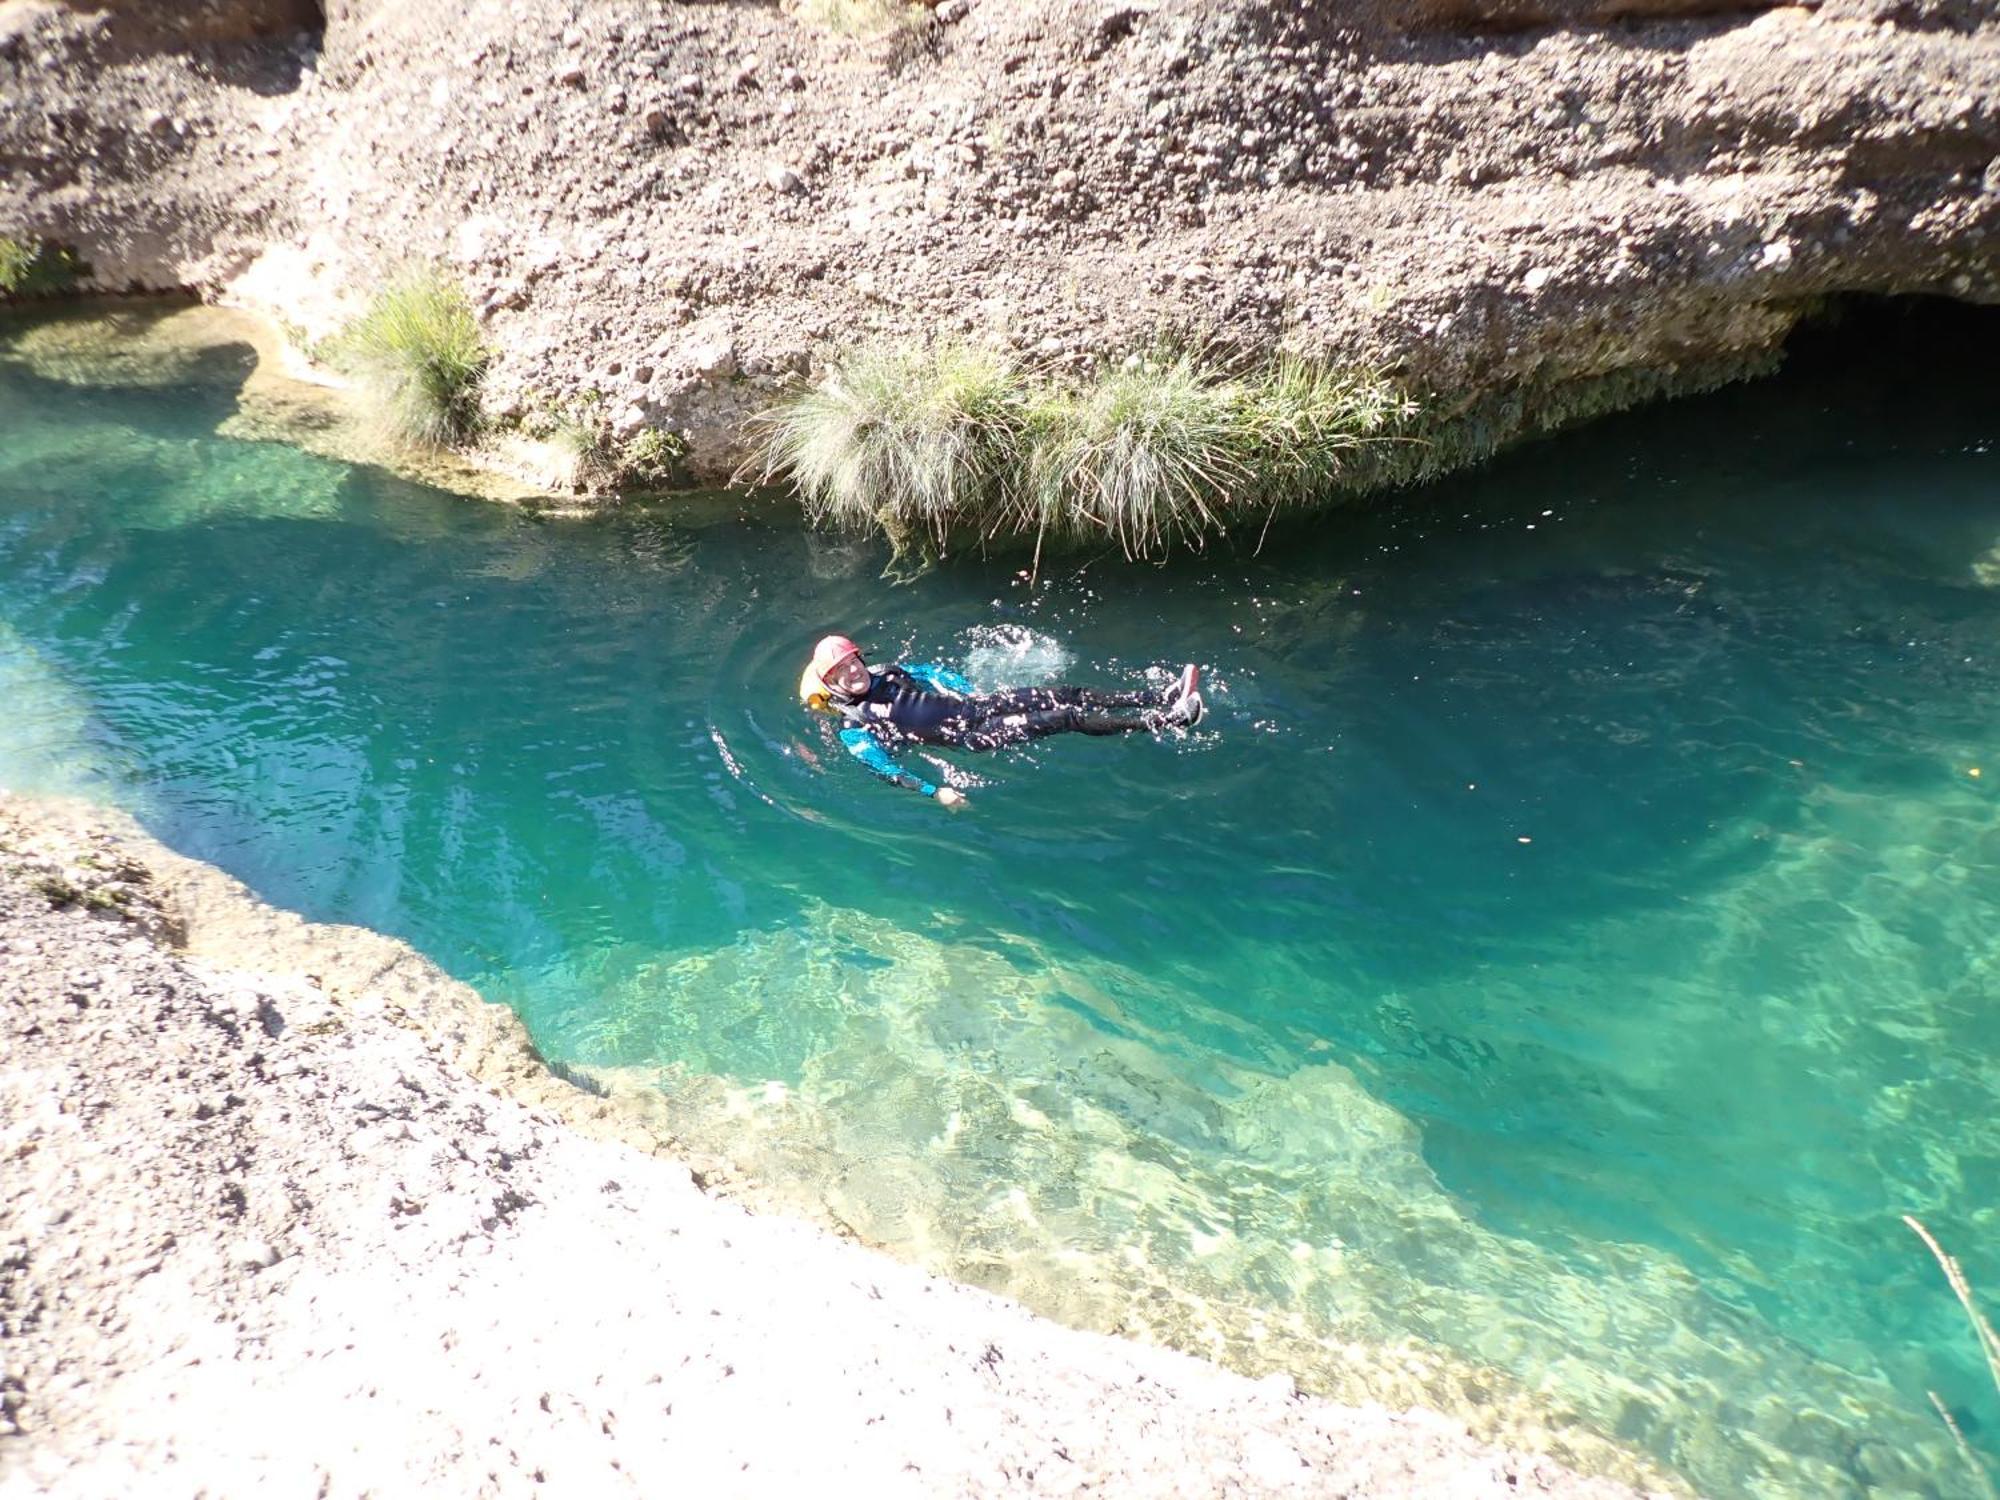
x,y
30,270
582,436
861,18
1301,425
419,357
16,261
923,437
1151,450
652,458
1157,449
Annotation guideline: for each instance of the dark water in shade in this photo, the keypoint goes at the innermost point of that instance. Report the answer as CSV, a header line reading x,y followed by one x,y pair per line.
x,y
1569,946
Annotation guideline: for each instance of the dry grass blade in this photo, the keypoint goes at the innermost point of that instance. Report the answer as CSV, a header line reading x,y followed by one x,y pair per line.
x,y
1984,1479
1989,1342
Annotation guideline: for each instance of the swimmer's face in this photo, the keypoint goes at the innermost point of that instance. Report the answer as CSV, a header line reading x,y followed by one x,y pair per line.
x,y
849,675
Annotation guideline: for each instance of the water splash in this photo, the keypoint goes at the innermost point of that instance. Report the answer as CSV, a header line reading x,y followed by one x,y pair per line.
x,y
1012,655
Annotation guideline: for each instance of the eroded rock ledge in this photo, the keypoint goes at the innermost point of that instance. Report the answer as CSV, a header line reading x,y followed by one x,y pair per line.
x,y
287,1210
1530,209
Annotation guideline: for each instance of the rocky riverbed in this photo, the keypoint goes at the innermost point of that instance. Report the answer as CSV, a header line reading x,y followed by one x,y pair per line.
x,y
1530,210
285,1210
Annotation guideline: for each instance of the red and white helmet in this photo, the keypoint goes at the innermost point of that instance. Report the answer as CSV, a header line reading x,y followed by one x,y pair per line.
x,y
828,654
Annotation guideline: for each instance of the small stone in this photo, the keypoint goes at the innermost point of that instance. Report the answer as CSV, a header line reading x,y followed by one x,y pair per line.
x,y
255,1253
712,358
1537,278
570,77
792,79
782,179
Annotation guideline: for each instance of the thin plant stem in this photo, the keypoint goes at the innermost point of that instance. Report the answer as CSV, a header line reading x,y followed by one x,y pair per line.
x,y
1989,1342
1985,1480
1989,1345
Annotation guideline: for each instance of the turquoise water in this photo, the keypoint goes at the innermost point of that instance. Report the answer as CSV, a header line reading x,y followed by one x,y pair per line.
x,y
1538,989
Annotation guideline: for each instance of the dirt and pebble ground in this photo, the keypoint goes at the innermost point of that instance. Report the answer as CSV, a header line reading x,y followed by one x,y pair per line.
x,y
1532,209
263,1232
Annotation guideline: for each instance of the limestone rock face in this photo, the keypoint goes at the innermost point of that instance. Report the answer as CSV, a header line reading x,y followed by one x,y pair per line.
x,y
1530,209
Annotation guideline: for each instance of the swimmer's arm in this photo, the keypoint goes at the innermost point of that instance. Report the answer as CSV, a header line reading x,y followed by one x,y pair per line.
x,y
865,748
942,678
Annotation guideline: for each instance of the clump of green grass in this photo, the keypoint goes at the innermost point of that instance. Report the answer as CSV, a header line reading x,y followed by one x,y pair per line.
x,y
1157,449
28,269
1301,424
419,357
17,259
1150,450
861,18
581,434
652,458
921,437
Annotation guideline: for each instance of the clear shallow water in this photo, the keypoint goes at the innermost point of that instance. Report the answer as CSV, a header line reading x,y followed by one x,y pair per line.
x,y
1568,948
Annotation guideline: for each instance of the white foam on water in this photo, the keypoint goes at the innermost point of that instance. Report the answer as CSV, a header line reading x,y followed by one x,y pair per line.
x,y
1009,655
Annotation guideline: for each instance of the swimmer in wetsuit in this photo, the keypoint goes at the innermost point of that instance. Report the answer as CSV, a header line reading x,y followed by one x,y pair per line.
x,y
934,706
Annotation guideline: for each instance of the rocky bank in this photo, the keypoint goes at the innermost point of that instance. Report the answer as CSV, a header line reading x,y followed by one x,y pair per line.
x,y
1530,210
287,1211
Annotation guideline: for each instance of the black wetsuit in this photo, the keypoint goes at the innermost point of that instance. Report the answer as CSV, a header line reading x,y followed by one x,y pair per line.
x,y
902,706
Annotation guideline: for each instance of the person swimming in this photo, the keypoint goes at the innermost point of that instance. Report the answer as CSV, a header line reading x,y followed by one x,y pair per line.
x,y
931,705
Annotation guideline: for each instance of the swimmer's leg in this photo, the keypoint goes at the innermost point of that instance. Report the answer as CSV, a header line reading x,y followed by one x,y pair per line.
x,y
992,731
1063,694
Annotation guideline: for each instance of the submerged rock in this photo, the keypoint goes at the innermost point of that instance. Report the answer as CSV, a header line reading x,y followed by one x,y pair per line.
x,y
287,1209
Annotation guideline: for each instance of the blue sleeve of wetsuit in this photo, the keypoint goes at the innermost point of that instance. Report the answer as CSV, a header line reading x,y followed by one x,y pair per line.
x,y
865,748
942,678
